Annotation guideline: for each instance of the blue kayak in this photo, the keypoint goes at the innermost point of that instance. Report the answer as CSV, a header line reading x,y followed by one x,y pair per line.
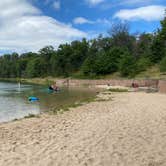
x,y
33,99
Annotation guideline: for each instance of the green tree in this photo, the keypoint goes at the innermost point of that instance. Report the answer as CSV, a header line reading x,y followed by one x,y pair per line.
x,y
143,63
34,68
88,67
159,43
121,37
62,62
127,66
143,45
79,54
163,65
45,55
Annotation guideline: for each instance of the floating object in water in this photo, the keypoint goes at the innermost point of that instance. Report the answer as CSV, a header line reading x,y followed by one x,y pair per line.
x,y
50,91
33,99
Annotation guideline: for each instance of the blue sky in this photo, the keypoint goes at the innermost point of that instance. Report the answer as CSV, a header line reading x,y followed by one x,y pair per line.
x,y
28,25
100,15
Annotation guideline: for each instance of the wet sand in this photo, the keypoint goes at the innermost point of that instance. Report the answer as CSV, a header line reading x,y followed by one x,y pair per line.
x,y
129,130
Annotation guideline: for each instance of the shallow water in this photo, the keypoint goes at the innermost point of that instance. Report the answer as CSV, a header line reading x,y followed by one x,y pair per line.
x,y
14,102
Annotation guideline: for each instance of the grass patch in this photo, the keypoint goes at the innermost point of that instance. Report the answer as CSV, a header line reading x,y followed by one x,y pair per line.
x,y
62,109
118,90
66,108
14,120
101,100
31,116
151,73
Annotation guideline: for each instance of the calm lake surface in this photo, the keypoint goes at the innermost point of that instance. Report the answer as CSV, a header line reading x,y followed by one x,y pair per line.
x,y
14,102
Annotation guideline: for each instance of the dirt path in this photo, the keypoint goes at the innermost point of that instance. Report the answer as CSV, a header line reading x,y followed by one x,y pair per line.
x,y
128,131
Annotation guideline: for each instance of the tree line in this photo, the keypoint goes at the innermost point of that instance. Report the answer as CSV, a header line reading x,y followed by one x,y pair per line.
x,y
119,52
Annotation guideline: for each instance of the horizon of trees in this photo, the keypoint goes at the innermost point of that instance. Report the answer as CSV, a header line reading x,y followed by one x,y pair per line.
x,y
119,52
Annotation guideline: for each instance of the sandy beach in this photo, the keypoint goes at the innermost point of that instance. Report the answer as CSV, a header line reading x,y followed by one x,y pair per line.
x,y
129,130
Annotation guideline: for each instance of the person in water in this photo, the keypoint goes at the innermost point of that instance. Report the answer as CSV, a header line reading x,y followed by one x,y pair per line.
x,y
53,87
50,88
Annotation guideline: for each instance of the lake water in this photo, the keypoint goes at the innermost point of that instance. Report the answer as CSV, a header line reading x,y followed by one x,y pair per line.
x,y
14,102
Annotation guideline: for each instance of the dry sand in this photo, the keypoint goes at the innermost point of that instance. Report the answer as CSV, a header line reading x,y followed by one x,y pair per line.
x,y
128,131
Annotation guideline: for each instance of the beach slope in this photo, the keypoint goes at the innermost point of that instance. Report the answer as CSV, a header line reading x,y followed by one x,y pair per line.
x,y
129,130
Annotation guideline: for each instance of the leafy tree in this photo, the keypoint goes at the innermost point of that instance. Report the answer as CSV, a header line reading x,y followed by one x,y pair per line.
x,y
6,66
119,33
143,46
46,54
159,43
142,64
163,65
127,66
116,53
64,66
158,50
79,54
108,62
88,67
34,68
102,63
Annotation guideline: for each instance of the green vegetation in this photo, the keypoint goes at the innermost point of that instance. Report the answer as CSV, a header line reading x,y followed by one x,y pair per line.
x,y
31,116
118,90
163,65
66,108
119,54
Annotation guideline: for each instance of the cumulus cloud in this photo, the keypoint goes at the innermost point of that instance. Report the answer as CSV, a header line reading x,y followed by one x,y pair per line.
x,y
57,5
94,2
15,8
148,13
23,27
129,3
82,20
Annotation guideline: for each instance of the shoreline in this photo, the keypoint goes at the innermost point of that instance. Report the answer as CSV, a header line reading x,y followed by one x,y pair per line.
x,y
70,82
44,81
159,85
96,98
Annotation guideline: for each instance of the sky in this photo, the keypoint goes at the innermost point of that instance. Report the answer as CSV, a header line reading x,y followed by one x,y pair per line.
x,y
29,25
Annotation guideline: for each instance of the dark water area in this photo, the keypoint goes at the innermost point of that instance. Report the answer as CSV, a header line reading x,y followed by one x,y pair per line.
x,y
14,103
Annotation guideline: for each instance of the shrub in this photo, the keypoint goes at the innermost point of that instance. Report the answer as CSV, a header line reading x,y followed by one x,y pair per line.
x,y
118,90
143,64
163,65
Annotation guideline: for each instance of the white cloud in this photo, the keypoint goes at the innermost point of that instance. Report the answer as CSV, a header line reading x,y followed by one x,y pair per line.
x,y
129,3
23,27
16,8
57,5
82,20
94,2
104,21
148,13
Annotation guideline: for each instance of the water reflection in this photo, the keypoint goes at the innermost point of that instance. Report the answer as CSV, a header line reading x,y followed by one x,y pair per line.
x,y
14,102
